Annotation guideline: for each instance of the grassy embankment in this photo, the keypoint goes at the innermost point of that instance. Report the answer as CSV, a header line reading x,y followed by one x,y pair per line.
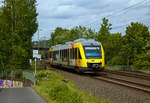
x,y
56,89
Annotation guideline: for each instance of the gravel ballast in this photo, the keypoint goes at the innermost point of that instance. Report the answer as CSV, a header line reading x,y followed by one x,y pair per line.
x,y
104,90
132,79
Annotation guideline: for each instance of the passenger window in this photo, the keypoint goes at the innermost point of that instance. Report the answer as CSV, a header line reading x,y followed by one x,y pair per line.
x,y
62,55
72,53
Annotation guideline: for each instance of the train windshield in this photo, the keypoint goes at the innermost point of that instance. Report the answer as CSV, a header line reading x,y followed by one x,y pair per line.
x,y
93,52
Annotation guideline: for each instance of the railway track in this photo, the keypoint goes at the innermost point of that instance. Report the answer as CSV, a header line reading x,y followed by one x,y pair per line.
x,y
121,82
117,81
129,74
129,84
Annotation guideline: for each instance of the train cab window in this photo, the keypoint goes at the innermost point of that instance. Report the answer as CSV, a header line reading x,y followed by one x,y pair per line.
x,y
93,52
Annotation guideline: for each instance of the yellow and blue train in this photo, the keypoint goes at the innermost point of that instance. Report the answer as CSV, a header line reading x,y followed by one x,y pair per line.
x,y
81,55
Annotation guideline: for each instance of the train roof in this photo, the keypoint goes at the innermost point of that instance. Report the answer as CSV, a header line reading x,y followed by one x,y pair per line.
x,y
87,42
84,42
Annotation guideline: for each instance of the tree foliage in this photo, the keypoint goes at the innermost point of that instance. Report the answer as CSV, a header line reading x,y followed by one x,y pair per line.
x,y
135,40
104,31
18,24
104,37
142,61
60,35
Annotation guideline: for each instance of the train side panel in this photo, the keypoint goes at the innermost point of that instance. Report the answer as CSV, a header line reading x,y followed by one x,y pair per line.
x,y
103,57
75,56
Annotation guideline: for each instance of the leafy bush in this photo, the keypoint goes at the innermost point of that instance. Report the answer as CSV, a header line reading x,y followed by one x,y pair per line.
x,y
63,94
56,89
142,62
117,60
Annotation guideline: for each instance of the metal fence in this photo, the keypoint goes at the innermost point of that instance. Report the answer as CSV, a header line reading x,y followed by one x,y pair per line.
x,y
122,68
29,76
11,79
7,74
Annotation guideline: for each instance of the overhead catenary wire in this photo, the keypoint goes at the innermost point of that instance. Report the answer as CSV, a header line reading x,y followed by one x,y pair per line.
x,y
116,27
121,11
96,24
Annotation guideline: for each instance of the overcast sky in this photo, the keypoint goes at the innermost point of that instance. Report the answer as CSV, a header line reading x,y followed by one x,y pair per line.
x,y
89,13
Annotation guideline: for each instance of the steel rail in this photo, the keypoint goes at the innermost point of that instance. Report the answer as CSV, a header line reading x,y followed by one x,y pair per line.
x,y
125,83
123,73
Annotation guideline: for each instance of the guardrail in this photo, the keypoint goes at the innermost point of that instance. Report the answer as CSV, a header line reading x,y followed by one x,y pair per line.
x,y
29,76
121,67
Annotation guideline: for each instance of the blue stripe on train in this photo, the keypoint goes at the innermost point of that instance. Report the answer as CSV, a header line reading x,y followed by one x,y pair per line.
x,y
92,54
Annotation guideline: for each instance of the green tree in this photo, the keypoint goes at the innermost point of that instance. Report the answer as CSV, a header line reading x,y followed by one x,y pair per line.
x,y
103,36
17,28
104,30
82,32
112,46
137,35
142,61
60,36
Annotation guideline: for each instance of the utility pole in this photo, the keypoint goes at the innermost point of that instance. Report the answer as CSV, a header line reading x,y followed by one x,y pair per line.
x,y
35,67
35,70
38,39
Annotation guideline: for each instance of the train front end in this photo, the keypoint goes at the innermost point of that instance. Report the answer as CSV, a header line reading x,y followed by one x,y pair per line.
x,y
94,58
92,54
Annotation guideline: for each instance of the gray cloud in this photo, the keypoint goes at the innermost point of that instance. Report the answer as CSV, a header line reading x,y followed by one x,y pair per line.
x,y
70,13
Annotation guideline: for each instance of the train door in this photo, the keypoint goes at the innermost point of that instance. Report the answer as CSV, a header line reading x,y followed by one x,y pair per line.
x,y
78,59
